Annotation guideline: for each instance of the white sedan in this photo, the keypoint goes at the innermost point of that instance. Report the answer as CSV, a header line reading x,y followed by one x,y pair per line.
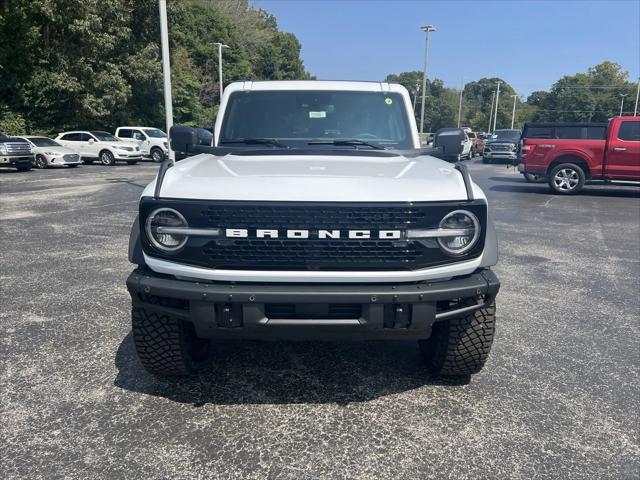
x,y
98,145
49,153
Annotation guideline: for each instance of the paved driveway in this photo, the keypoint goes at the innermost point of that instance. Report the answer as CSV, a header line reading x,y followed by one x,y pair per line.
x,y
559,397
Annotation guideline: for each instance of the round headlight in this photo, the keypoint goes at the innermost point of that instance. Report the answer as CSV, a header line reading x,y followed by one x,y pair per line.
x,y
165,240
465,236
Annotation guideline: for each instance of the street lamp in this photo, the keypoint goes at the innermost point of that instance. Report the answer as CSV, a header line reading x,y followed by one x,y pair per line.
x,y
493,95
635,109
220,47
166,72
415,95
513,112
622,95
426,29
460,102
495,118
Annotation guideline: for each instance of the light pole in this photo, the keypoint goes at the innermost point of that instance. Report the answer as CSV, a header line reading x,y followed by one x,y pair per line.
x,y
493,95
513,112
426,29
415,96
166,72
622,95
635,109
220,47
495,115
460,102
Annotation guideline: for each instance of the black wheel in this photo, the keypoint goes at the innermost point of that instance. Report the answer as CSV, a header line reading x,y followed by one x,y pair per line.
x,y
24,168
87,161
131,162
460,346
567,179
107,158
167,345
41,162
533,178
157,155
73,166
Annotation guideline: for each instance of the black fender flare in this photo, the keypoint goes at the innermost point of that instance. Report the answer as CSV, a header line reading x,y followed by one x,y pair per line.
x,y
135,245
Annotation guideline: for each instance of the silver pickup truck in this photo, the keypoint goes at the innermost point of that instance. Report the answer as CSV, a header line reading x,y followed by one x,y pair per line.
x,y
15,153
315,214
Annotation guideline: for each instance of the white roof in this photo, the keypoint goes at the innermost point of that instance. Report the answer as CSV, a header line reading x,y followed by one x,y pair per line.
x,y
349,85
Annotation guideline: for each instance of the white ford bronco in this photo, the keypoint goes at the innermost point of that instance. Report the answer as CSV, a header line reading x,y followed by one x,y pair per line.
x,y
315,214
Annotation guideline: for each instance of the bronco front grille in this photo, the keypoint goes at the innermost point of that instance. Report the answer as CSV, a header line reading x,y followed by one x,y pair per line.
x,y
313,253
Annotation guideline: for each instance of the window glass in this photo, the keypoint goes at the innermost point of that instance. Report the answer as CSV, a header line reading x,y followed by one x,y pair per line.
x,y
124,133
302,116
137,135
595,133
43,142
538,132
629,131
71,137
574,132
85,137
155,133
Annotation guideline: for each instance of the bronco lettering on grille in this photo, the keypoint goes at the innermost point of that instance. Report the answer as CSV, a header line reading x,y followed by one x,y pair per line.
x,y
320,234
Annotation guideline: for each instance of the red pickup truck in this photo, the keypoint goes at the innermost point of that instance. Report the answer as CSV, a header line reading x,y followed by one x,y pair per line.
x,y
569,154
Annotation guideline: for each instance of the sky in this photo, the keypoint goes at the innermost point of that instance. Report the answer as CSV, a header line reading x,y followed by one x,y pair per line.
x,y
530,44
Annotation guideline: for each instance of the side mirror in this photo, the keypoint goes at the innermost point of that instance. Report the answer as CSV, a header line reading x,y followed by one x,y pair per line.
x,y
450,141
91,140
183,138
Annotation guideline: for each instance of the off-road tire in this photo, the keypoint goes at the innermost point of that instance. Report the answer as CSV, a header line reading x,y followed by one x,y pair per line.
x,y
167,345
107,158
570,170
460,346
157,155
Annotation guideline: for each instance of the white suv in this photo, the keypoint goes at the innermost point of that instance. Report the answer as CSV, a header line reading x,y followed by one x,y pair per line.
x,y
152,141
97,145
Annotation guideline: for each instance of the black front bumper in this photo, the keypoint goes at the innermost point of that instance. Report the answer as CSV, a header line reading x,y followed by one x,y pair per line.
x,y
298,311
16,161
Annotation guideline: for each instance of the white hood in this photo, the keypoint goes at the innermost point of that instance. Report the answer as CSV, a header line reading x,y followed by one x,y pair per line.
x,y
58,150
313,178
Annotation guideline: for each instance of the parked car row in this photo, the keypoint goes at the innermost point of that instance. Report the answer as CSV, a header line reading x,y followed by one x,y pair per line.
x,y
129,144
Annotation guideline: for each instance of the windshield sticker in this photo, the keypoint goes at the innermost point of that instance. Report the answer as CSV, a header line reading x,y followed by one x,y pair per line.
x,y
388,101
317,114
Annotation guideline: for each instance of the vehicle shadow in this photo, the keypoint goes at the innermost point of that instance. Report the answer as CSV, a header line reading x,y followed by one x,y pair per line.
x,y
251,372
587,191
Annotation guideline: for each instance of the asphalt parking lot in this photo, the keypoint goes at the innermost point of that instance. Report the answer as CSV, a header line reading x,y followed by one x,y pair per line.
x,y
559,397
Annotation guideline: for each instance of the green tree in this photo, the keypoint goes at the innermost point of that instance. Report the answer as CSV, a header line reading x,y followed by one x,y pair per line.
x,y
96,64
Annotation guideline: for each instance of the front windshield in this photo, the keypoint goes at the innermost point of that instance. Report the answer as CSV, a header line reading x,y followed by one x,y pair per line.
x,y
104,137
297,117
513,135
155,133
43,142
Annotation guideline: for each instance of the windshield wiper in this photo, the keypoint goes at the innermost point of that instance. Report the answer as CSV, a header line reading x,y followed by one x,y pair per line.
x,y
256,141
347,142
